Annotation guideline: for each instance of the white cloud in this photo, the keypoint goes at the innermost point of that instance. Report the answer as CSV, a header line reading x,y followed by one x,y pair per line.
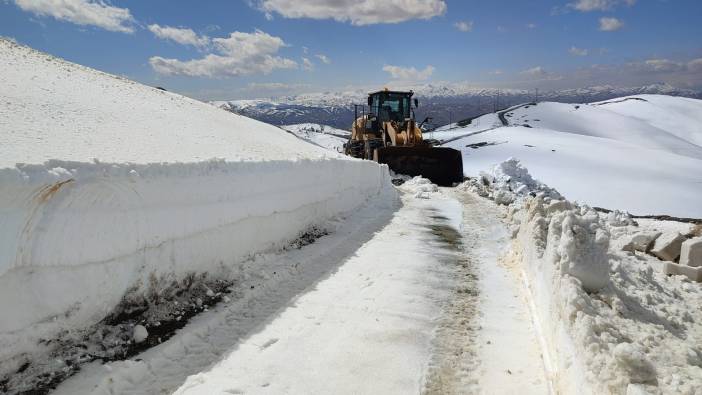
x,y
239,54
464,26
358,12
409,74
180,35
540,73
307,64
274,86
599,5
531,26
82,12
658,66
578,51
608,24
695,65
496,72
663,65
323,58
534,71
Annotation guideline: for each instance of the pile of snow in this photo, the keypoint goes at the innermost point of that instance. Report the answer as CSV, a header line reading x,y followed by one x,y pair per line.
x,y
419,187
324,136
601,157
109,187
508,182
611,320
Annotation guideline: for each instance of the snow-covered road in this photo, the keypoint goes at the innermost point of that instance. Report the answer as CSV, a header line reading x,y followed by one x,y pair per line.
x,y
397,300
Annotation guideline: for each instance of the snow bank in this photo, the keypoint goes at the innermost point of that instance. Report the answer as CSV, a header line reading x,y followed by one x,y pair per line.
x,y
77,233
612,322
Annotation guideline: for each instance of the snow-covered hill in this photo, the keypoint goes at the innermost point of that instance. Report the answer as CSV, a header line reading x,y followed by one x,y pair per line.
x,y
600,120
444,102
322,135
639,154
678,116
110,190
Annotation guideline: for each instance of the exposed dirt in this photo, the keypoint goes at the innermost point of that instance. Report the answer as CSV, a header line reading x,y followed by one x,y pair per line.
x,y
484,144
657,217
161,312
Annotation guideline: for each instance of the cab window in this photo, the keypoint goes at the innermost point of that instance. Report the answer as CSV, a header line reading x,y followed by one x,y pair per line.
x,y
392,107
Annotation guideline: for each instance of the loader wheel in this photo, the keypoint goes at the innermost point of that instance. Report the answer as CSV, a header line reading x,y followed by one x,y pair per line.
x,y
355,149
367,152
370,147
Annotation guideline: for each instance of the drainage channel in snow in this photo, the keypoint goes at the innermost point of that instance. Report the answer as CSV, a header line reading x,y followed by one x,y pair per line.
x,y
509,359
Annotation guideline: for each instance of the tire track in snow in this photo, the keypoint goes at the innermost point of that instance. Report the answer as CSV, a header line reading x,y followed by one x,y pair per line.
x,y
454,355
508,353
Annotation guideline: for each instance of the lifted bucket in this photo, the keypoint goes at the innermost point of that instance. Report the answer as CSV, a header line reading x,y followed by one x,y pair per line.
x,y
443,166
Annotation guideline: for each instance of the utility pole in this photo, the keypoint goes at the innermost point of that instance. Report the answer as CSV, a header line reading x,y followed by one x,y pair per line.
x,y
536,99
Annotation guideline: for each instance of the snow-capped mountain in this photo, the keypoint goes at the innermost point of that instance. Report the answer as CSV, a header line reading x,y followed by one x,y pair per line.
x,y
444,103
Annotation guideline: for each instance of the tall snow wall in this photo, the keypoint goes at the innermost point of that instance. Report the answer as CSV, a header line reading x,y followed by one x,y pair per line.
x,y
77,233
76,236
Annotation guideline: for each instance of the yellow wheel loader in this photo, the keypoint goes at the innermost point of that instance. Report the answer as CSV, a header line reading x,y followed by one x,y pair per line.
x,y
388,133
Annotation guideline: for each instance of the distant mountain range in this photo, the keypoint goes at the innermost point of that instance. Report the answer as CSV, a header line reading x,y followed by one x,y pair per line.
x,y
444,103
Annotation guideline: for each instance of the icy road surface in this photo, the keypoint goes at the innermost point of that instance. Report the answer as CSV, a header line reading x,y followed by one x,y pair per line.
x,y
396,301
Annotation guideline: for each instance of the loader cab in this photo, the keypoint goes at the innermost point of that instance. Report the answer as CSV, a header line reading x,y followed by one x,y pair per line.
x,y
388,106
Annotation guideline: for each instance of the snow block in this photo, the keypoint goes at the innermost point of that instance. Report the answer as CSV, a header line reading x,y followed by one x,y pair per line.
x,y
693,273
582,248
667,246
642,242
140,334
691,252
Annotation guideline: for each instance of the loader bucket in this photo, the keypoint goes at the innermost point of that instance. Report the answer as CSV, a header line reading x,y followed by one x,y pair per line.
x,y
443,166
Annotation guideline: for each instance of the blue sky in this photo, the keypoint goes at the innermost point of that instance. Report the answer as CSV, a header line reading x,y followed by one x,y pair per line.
x,y
291,46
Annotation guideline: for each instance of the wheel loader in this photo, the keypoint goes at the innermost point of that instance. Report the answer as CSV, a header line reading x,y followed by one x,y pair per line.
x,y
388,133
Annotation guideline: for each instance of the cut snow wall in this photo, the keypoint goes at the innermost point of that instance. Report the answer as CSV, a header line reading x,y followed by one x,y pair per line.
x,y
537,245
75,237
